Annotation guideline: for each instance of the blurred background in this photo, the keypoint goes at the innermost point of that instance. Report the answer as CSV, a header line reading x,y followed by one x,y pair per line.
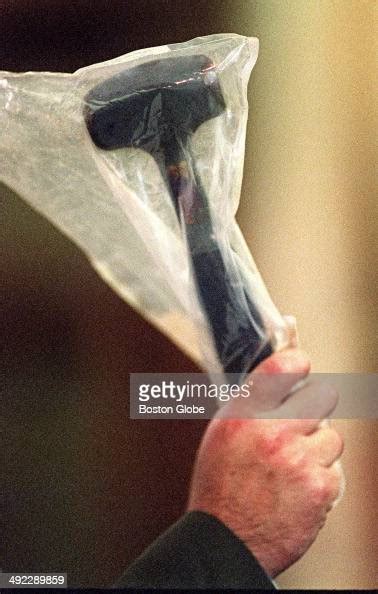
x,y
84,488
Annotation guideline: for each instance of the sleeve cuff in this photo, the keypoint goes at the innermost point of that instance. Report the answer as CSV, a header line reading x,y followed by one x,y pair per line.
x,y
198,551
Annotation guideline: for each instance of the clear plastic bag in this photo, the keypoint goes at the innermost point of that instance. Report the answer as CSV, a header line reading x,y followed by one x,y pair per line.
x,y
139,161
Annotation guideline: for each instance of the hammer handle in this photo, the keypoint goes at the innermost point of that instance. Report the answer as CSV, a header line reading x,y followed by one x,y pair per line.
x,y
236,324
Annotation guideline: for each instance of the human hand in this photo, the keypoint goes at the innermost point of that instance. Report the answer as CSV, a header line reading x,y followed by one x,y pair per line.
x,y
272,481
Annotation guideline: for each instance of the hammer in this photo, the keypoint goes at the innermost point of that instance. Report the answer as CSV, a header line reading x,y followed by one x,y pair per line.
x,y
157,106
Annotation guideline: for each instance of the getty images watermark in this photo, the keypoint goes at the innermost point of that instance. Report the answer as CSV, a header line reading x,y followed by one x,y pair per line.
x,y
196,396
179,395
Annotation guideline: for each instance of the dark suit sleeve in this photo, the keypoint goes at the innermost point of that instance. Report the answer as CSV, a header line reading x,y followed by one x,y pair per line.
x,y
197,552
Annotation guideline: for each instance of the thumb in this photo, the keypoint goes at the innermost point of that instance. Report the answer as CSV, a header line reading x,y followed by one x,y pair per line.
x,y
269,384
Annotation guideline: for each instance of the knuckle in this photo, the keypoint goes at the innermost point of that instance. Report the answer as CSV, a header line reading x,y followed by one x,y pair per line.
x,y
270,440
320,489
332,440
327,491
338,442
291,460
322,494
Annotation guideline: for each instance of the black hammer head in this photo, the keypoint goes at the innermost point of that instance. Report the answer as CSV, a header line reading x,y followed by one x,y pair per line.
x,y
143,106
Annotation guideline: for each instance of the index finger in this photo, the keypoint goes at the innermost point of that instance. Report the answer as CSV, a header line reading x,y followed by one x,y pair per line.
x,y
306,408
